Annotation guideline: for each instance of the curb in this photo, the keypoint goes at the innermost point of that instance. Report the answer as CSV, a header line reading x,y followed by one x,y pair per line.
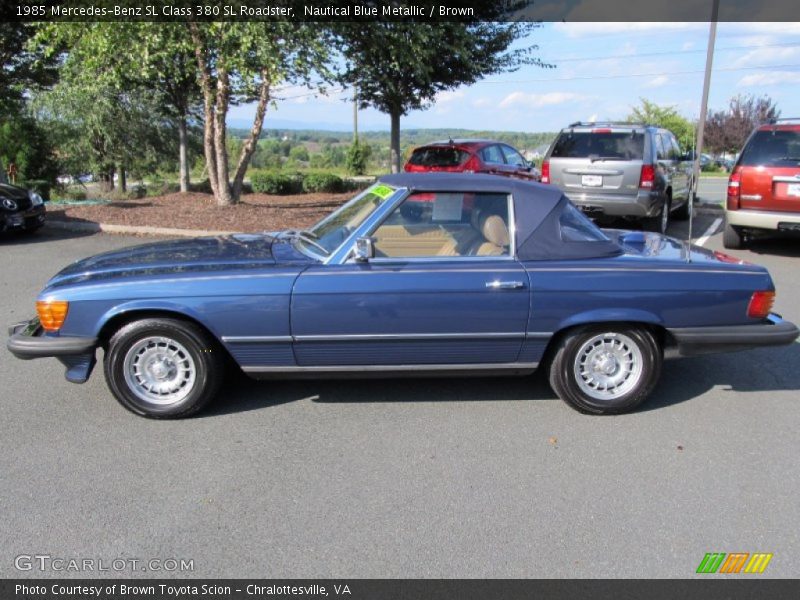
x,y
93,227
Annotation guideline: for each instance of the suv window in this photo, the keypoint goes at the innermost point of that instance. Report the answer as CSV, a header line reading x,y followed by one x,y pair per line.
x,y
676,148
780,148
579,144
436,156
661,147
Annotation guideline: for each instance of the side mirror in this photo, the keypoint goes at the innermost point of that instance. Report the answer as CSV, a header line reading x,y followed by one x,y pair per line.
x,y
365,250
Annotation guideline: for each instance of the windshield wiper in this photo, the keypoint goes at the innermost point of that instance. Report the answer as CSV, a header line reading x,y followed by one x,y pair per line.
x,y
308,238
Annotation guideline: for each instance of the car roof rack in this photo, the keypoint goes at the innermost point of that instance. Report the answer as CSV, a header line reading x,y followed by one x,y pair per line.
x,y
781,119
608,124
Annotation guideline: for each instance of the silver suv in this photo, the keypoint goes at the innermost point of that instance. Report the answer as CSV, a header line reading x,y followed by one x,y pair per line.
x,y
625,170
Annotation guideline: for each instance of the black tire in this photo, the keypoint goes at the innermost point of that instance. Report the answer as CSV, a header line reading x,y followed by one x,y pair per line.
x,y
682,214
633,389
191,363
660,222
32,226
732,238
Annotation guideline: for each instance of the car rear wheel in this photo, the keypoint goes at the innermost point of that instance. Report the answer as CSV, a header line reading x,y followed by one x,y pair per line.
x,y
163,368
659,222
682,214
606,369
732,238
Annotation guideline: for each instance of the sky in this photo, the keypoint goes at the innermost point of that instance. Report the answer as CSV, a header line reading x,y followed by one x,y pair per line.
x,y
601,71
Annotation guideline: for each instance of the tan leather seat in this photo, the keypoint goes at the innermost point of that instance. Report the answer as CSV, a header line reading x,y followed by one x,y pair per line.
x,y
495,236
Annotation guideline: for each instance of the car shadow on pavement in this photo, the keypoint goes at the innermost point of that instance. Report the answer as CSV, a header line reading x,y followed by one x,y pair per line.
x,y
682,380
43,235
785,246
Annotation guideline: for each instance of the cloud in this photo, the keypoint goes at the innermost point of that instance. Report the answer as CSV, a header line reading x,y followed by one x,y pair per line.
x,y
580,29
658,81
482,103
769,78
761,56
449,96
521,99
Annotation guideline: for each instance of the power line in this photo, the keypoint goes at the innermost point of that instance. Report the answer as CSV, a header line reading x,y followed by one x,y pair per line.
x,y
673,52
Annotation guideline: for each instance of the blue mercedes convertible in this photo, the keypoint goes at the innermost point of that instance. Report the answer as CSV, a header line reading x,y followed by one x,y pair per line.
x,y
441,274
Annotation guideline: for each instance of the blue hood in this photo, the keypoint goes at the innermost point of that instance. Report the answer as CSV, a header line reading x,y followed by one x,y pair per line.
x,y
196,255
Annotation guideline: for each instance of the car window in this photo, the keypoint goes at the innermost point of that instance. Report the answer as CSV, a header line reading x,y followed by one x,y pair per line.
x,y
661,152
438,156
576,227
779,148
445,224
492,155
513,157
677,153
621,146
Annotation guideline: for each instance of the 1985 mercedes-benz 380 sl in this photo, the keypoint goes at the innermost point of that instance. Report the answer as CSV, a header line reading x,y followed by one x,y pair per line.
x,y
443,274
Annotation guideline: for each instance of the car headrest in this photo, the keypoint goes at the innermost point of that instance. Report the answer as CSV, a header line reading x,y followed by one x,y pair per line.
x,y
494,229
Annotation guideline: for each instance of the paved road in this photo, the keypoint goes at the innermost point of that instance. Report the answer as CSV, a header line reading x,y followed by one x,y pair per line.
x,y
430,478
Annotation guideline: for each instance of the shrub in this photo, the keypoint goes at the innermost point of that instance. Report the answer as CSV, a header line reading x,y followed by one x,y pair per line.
x,y
322,182
74,194
357,157
40,186
273,183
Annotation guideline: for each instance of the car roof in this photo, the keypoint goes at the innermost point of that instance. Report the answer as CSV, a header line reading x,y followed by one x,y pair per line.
x,y
536,210
461,142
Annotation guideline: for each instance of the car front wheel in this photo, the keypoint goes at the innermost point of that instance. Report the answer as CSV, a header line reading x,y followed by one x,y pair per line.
x,y
606,369
163,368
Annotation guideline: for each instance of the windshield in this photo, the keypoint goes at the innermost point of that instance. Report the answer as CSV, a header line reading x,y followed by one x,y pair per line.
x,y
336,227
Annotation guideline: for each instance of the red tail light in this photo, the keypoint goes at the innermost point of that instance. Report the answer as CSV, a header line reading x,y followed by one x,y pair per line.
x,y
546,171
648,177
760,304
734,189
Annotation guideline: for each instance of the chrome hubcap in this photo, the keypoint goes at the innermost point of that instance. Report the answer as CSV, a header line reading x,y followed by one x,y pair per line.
x,y
159,370
608,366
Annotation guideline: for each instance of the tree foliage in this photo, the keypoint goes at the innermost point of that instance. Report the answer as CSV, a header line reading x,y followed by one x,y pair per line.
x,y
664,116
401,66
727,130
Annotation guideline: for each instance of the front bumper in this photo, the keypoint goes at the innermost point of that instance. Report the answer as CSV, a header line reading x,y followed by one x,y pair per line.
x,y
27,340
31,218
774,331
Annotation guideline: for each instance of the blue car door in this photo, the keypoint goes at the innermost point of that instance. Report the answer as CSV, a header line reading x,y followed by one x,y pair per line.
x,y
443,289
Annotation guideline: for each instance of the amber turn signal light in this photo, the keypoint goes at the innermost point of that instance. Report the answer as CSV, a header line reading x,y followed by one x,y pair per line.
x,y
52,313
760,304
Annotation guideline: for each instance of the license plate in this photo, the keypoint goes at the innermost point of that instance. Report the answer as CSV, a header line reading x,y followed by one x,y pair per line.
x,y
793,189
592,180
15,221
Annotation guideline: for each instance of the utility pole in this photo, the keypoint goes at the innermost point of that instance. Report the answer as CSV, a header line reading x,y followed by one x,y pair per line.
x,y
355,115
701,126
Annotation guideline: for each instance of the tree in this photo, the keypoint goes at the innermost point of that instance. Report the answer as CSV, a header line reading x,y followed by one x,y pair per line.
x,y
401,66
243,62
136,57
727,130
666,117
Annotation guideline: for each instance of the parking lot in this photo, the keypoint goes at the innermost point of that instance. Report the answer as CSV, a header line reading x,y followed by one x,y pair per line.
x,y
491,477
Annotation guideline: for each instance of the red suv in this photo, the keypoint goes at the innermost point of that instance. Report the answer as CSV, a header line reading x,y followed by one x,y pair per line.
x,y
471,156
764,185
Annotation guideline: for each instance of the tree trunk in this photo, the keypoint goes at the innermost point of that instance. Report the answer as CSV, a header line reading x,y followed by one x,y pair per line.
x,y
183,154
2,172
250,145
123,179
223,195
395,141
208,109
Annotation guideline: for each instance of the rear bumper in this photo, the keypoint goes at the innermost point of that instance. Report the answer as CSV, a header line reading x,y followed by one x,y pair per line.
x,y
774,331
641,204
762,219
77,354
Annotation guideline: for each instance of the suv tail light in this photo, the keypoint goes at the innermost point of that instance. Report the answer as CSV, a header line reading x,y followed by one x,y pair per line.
x,y
734,189
546,171
472,165
760,304
648,177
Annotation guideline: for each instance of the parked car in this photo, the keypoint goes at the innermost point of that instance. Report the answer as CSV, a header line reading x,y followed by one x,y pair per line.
x,y
633,171
515,279
471,156
764,185
20,209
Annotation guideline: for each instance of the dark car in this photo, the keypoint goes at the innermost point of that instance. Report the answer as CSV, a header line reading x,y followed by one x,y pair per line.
x,y
471,156
621,170
764,185
489,276
20,209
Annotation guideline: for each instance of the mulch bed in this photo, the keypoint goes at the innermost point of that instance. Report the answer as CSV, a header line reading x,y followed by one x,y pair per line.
x,y
254,212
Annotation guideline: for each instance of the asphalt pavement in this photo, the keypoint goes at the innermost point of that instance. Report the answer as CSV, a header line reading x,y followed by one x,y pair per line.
x,y
490,477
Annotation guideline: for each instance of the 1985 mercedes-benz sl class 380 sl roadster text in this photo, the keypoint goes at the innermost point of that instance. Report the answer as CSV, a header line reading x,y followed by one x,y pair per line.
x,y
435,274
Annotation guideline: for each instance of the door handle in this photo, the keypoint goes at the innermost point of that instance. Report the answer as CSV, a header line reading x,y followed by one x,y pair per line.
x,y
505,285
